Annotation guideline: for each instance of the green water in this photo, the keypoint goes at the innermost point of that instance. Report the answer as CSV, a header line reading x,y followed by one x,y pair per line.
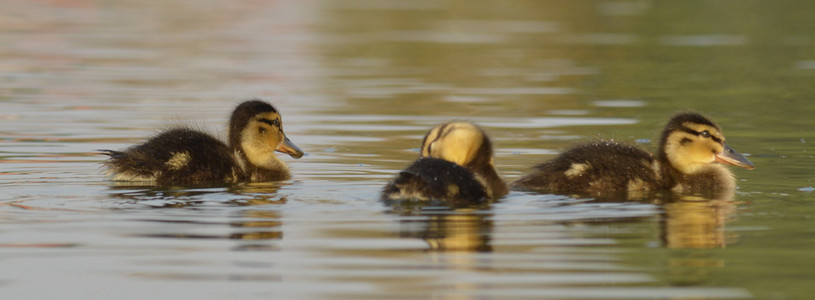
x,y
358,84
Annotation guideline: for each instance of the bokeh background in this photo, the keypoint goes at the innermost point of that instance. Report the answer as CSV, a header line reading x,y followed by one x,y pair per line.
x,y
358,83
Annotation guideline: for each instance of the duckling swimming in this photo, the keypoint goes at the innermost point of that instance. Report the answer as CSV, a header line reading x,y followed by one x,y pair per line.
x,y
185,155
456,166
691,152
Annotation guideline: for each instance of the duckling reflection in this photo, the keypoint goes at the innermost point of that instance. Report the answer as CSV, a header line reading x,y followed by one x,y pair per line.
x,y
697,223
687,221
250,225
691,152
255,225
185,155
456,166
192,195
456,230
445,227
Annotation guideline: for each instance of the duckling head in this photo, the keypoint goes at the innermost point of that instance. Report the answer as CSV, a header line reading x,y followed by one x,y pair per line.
x,y
256,132
691,143
460,142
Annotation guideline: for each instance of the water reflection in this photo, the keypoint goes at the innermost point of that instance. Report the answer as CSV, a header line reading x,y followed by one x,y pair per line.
x,y
693,222
262,222
256,226
194,195
454,235
689,223
686,221
457,230
363,78
463,228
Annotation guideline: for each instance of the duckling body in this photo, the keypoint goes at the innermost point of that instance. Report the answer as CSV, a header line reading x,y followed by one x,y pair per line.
x,y
185,155
600,166
456,166
176,155
433,178
690,150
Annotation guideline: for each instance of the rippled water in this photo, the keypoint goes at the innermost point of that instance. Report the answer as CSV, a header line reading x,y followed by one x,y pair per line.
x,y
358,84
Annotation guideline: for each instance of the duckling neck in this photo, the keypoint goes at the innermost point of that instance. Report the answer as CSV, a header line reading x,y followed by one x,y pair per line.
x,y
496,187
261,167
710,178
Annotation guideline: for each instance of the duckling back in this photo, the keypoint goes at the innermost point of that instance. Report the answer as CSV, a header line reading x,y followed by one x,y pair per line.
x,y
593,168
180,155
435,179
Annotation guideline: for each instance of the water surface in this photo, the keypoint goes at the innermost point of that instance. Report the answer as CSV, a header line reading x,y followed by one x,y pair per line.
x,y
358,84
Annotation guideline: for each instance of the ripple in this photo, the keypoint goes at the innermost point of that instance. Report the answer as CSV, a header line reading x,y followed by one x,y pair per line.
x,y
601,38
805,64
557,122
703,40
501,26
517,91
441,37
619,103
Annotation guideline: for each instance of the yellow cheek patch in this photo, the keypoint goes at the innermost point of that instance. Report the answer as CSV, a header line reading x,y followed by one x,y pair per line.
x,y
690,153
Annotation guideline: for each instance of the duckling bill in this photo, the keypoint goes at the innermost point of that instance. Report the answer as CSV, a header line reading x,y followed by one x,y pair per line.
x,y
691,157
185,155
456,166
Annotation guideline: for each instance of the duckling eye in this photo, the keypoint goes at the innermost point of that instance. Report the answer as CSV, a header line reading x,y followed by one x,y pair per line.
x,y
275,122
705,134
262,130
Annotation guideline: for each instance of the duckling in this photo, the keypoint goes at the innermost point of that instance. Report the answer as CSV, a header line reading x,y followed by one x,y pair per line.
x,y
185,155
456,166
691,152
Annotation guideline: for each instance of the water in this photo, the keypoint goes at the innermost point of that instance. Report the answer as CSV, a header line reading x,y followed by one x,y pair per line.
x,y
359,83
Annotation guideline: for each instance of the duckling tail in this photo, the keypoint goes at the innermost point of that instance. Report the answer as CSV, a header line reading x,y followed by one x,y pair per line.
x,y
111,153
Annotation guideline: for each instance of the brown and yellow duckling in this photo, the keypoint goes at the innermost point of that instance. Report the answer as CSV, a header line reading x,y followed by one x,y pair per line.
x,y
185,155
456,166
691,152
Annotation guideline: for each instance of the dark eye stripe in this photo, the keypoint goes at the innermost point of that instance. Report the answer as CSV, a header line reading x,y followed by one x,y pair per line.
x,y
441,133
275,122
697,133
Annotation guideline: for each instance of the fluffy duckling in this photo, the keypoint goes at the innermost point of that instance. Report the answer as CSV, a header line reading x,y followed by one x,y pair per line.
x,y
688,160
185,155
456,166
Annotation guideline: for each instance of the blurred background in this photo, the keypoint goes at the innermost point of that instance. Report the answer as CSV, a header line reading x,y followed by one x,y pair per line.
x,y
358,84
